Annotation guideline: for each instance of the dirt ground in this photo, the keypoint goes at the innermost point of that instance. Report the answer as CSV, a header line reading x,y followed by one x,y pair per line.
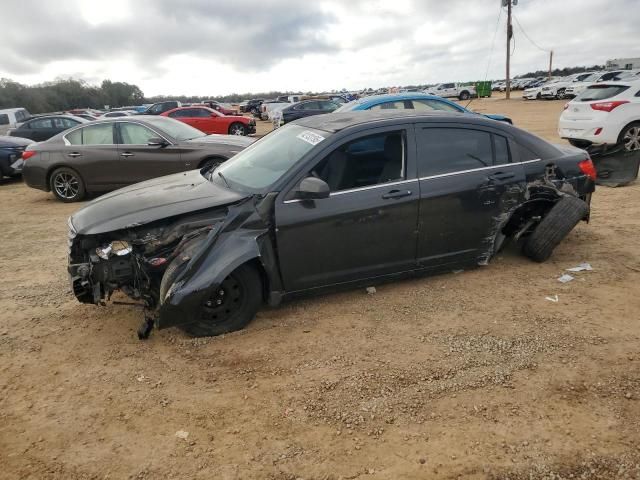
x,y
469,375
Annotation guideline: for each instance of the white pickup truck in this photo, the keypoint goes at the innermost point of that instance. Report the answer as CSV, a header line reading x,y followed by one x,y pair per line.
x,y
448,90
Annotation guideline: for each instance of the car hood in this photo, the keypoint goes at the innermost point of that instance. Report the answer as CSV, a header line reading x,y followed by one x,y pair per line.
x,y
152,200
233,140
14,141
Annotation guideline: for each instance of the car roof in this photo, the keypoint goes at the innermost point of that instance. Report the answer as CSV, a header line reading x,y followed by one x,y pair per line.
x,y
334,122
386,97
73,117
10,110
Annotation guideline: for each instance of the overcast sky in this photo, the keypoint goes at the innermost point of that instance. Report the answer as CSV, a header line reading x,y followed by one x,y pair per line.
x,y
217,47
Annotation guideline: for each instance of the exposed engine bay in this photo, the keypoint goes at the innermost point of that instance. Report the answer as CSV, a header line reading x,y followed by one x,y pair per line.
x,y
133,259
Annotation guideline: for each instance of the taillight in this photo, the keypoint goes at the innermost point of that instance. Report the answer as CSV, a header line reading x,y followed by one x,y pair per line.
x,y
608,106
587,167
28,154
566,105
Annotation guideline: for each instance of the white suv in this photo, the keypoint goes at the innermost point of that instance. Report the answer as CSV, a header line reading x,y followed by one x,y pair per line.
x,y
606,113
558,88
577,88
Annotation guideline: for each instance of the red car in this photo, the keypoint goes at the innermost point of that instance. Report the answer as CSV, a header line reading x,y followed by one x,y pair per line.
x,y
209,121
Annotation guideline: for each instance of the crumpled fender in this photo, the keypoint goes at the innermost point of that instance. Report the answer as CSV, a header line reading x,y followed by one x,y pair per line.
x,y
223,250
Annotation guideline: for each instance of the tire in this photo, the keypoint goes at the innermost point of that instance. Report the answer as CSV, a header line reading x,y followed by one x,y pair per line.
x,y
630,137
240,302
464,95
67,185
556,225
237,129
538,96
210,163
560,94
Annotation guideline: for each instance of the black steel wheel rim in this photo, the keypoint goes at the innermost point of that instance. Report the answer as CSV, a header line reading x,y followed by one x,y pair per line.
x,y
224,302
66,185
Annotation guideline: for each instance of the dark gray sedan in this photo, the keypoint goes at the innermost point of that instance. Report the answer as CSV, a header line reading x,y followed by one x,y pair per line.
x,y
108,154
46,126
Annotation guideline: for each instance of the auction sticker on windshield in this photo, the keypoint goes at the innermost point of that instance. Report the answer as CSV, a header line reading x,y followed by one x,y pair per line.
x,y
310,137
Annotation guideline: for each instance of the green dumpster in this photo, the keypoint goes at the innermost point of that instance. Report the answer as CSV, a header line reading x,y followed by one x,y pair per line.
x,y
483,89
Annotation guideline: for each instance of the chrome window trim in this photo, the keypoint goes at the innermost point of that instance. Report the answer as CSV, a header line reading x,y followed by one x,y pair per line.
x,y
359,189
450,174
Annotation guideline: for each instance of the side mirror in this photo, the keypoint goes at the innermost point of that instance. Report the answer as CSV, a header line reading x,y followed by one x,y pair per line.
x,y
312,188
157,142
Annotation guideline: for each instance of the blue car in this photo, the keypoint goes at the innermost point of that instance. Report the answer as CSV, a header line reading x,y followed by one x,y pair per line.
x,y
412,101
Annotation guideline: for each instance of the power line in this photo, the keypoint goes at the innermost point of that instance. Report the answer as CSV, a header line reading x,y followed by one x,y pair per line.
x,y
493,42
529,38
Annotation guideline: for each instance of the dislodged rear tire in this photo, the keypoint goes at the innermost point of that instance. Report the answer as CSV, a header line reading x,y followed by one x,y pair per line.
x,y
230,307
560,220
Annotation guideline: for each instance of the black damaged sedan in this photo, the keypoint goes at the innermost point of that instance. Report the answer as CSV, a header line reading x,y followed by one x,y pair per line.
x,y
328,202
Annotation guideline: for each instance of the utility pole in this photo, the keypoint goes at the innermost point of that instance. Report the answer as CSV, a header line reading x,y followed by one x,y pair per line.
x,y
550,63
509,35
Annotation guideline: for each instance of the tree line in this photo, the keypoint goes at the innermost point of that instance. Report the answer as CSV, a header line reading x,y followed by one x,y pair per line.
x,y
561,72
65,94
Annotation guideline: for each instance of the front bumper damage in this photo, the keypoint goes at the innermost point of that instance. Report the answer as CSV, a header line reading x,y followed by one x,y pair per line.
x,y
208,253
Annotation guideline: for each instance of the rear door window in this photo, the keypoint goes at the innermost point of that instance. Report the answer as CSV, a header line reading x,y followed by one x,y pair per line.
x,y
101,134
449,150
4,119
601,92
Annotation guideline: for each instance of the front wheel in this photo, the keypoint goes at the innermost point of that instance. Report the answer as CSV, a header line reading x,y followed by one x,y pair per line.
x,y
464,95
560,94
237,129
67,185
230,307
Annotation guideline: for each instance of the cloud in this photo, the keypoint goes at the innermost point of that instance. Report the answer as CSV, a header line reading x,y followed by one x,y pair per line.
x,y
246,34
216,47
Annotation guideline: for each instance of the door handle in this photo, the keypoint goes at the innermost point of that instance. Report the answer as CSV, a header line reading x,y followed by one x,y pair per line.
x,y
126,154
501,176
74,154
396,194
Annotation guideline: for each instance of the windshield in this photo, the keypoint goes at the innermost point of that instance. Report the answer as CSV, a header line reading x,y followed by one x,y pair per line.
x,y
591,78
175,128
266,161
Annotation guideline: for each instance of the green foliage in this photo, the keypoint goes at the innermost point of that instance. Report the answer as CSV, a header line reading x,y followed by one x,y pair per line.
x,y
560,72
65,94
